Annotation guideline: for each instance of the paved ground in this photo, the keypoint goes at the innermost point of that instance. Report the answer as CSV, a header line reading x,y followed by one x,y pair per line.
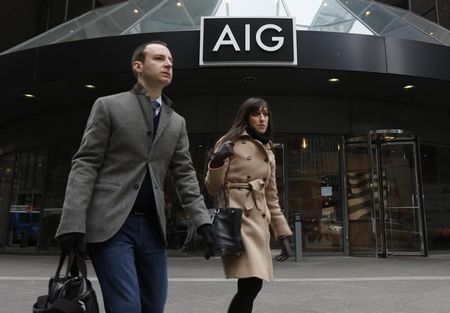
x,y
315,285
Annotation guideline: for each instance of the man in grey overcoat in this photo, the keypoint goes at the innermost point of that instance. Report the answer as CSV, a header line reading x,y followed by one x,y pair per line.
x,y
115,196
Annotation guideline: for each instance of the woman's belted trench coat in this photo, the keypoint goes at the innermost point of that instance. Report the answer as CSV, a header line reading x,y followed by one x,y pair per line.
x,y
250,183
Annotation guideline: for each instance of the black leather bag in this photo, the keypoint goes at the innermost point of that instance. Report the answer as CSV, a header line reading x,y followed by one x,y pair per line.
x,y
227,228
72,293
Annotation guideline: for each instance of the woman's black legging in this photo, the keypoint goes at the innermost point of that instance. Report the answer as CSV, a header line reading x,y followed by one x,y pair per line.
x,y
248,289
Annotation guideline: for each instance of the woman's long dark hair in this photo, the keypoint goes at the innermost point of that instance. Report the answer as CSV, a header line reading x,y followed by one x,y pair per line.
x,y
248,107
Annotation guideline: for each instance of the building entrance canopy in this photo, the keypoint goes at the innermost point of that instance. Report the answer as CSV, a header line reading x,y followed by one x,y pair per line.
x,y
149,16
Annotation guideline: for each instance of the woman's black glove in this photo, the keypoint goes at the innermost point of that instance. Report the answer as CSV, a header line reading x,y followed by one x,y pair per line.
x,y
224,151
207,233
72,242
285,249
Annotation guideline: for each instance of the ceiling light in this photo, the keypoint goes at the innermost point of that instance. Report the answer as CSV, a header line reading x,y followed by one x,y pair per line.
x,y
89,86
325,4
179,3
135,11
249,79
333,80
407,87
28,96
367,13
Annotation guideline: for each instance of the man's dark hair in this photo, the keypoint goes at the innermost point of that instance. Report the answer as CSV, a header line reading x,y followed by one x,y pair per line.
x,y
139,53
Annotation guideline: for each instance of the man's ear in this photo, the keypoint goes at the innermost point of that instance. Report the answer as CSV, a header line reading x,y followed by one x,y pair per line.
x,y
137,65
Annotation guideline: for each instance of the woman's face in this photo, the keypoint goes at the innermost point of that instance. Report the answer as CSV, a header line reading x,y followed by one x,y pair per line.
x,y
259,120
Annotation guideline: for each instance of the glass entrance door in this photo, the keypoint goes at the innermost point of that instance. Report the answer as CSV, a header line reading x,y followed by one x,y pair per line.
x,y
385,212
401,204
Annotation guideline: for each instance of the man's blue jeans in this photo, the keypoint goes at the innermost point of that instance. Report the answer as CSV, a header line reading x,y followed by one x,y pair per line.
x,y
132,267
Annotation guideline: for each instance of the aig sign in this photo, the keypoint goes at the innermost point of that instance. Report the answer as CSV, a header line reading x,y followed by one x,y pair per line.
x,y
248,41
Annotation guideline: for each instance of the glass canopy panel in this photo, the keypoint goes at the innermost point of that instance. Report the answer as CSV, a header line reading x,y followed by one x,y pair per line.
x,y
141,16
332,17
304,11
385,22
431,29
255,8
359,28
62,32
174,15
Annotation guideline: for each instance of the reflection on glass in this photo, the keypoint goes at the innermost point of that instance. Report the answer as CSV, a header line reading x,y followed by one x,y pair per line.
x,y
332,17
26,202
314,192
140,16
359,198
402,215
436,187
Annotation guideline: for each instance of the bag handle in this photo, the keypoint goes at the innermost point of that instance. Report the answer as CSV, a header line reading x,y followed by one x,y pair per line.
x,y
75,264
225,198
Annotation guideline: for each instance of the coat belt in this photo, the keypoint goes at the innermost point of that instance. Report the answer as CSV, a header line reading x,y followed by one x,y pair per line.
x,y
257,193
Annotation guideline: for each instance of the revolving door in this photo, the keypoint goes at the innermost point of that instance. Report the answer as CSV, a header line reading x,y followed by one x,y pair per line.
x,y
384,194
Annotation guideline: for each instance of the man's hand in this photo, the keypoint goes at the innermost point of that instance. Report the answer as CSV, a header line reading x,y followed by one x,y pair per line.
x,y
285,249
72,242
207,233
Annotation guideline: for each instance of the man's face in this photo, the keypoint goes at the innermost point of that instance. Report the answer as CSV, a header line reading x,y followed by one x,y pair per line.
x,y
157,66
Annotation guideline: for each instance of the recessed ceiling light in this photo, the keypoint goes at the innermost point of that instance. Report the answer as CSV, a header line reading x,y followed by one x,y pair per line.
x,y
179,3
407,87
28,96
368,13
89,86
249,79
135,11
333,80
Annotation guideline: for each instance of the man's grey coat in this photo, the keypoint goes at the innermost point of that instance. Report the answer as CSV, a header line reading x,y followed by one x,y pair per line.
x,y
110,165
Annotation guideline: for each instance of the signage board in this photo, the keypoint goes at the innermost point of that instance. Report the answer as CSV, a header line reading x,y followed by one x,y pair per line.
x,y
248,41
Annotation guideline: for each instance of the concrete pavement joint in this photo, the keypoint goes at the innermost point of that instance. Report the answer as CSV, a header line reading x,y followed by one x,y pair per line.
x,y
278,280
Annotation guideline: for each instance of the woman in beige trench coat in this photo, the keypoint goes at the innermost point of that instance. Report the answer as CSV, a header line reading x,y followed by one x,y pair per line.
x,y
243,164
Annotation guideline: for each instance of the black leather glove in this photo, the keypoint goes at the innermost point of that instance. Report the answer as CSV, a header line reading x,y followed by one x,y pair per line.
x,y
207,233
72,241
224,151
285,249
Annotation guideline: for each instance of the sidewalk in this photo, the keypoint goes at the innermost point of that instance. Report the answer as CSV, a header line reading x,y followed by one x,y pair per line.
x,y
314,285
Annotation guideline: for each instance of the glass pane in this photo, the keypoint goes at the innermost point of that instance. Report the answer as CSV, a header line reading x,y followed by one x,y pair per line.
x,y
173,15
60,165
359,198
199,8
332,17
402,218
431,29
436,188
314,191
250,8
27,198
177,221
6,179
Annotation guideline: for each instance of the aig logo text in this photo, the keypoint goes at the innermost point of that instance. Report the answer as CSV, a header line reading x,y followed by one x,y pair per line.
x,y
248,41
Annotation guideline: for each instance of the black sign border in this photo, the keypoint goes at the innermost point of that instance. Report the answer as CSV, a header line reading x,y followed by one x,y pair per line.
x,y
249,63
